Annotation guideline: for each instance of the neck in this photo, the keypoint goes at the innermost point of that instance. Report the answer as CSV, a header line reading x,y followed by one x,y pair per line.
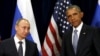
x,y
20,38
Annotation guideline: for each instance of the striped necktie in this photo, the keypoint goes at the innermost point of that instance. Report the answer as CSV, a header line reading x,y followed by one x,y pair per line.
x,y
75,40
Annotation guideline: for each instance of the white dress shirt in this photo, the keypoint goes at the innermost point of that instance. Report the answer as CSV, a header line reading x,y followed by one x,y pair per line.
x,y
78,30
17,44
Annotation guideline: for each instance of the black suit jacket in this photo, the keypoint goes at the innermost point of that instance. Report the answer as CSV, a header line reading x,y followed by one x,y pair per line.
x,y
85,46
8,48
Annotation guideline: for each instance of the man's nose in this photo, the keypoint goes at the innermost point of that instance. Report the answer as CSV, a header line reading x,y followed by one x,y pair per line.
x,y
72,17
26,30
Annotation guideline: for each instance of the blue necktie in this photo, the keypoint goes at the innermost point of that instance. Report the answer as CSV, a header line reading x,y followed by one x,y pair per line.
x,y
20,49
75,41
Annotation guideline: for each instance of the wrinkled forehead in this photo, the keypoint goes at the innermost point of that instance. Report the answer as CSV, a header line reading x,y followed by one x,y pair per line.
x,y
22,21
73,7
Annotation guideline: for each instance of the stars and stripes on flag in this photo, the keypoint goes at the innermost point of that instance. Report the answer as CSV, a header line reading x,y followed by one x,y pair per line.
x,y
96,19
57,27
24,10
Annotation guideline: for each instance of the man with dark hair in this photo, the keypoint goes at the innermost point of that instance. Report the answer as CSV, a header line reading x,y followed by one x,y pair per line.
x,y
78,41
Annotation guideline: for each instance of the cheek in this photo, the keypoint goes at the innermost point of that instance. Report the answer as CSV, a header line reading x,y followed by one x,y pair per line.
x,y
21,30
78,18
69,20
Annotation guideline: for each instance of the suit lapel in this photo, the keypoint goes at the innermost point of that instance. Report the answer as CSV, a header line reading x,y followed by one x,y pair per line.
x,y
70,41
82,37
13,47
27,48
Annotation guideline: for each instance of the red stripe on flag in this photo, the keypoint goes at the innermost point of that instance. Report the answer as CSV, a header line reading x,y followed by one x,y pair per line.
x,y
44,53
55,37
49,42
50,45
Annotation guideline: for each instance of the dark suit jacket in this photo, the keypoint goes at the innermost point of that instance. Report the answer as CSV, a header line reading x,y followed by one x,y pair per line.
x,y
8,48
97,41
85,46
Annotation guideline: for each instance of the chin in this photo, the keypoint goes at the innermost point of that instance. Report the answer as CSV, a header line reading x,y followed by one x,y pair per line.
x,y
24,36
75,26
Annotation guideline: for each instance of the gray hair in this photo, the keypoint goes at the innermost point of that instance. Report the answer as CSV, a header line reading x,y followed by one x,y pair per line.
x,y
19,20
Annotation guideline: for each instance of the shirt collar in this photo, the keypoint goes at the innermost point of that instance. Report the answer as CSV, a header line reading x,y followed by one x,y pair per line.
x,y
17,40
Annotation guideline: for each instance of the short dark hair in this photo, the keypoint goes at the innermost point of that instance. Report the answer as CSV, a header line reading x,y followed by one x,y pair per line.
x,y
74,6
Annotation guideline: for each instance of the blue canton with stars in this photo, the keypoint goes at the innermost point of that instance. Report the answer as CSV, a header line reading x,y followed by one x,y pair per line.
x,y
60,16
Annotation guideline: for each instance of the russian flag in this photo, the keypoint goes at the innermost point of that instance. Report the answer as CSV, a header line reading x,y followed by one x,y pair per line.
x,y
24,10
96,19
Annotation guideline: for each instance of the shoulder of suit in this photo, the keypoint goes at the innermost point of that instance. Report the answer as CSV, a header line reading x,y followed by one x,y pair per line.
x,y
30,42
89,27
7,40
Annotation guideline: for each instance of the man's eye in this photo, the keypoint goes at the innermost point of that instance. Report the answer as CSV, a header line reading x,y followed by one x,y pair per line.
x,y
69,16
23,27
75,13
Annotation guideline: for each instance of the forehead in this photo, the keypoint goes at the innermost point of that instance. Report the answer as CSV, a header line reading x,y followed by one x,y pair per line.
x,y
23,22
73,9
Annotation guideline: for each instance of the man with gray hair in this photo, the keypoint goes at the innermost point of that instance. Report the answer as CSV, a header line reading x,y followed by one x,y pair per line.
x,y
19,45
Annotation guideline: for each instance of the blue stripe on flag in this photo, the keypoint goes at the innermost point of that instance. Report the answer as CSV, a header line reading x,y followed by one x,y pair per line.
x,y
96,19
29,37
16,17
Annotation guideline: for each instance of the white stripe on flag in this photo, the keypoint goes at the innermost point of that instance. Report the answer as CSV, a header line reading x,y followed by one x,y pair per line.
x,y
99,2
52,40
56,29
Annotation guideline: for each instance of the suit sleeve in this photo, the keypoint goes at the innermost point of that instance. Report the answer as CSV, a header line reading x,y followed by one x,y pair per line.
x,y
63,49
36,51
1,49
97,41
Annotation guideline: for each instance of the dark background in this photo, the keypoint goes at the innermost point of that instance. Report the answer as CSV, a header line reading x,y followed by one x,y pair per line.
x,y
42,11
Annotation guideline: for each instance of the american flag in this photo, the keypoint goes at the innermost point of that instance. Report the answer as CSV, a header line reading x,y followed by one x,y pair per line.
x,y
57,27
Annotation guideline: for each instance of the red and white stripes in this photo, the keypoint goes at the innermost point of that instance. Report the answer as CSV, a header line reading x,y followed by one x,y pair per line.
x,y
52,42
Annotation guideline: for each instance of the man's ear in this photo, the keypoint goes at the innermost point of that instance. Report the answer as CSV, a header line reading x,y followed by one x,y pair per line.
x,y
82,14
16,27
